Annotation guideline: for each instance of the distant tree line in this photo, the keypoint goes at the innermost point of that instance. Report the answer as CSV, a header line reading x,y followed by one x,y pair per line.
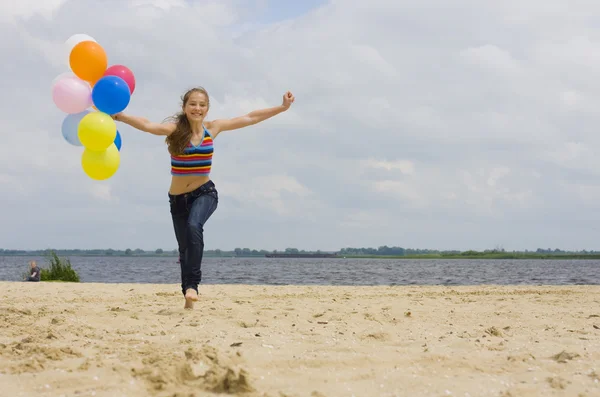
x,y
247,252
390,251
399,251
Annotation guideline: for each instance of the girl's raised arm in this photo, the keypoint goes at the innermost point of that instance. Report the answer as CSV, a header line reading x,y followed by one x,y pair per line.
x,y
145,125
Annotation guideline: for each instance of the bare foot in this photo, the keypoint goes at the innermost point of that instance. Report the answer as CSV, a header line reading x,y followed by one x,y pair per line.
x,y
191,296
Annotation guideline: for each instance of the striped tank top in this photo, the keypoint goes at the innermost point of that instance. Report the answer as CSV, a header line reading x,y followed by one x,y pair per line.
x,y
196,159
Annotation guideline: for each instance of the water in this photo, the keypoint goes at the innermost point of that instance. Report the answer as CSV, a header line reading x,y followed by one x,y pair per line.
x,y
338,271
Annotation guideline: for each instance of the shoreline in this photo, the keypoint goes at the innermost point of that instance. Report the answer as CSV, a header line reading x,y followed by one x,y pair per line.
x,y
299,341
505,256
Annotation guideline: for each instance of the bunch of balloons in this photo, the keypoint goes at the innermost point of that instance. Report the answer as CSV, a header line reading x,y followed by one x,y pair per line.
x,y
91,83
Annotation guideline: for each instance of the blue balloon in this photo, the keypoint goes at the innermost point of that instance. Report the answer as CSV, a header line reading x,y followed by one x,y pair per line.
x,y
118,141
70,125
111,94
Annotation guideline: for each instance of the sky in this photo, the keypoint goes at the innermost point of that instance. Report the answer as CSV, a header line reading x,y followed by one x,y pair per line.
x,y
462,125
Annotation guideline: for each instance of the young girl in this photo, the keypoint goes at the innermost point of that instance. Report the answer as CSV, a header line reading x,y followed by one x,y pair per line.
x,y
193,197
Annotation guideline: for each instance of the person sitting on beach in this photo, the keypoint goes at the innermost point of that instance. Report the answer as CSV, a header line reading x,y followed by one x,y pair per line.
x,y
35,273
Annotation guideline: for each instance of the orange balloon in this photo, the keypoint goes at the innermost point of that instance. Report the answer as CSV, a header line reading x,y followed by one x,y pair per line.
x,y
88,61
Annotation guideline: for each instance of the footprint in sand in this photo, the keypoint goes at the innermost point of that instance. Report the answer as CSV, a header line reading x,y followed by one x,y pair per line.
x,y
205,369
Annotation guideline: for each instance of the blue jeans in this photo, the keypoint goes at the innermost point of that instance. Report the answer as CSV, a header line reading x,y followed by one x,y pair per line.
x,y
190,211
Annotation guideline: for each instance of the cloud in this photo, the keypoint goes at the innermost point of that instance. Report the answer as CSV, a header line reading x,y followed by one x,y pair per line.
x,y
404,166
28,8
491,57
424,125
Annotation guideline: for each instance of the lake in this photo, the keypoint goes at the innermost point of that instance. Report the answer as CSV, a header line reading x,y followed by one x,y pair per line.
x,y
336,271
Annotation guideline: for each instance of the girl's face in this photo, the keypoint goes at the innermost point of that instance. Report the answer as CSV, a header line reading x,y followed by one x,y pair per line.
x,y
196,107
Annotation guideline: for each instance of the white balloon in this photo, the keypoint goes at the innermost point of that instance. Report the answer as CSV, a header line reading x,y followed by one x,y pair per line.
x,y
73,41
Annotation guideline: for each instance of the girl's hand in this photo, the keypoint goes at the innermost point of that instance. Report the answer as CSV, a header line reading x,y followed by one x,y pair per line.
x,y
288,99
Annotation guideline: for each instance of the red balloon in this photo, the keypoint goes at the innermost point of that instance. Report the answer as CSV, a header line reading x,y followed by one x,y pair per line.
x,y
124,73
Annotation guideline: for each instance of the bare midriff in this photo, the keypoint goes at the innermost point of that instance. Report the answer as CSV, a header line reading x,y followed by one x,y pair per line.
x,y
185,184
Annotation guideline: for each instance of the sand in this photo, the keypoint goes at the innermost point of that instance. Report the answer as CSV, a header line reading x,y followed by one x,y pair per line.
x,y
84,339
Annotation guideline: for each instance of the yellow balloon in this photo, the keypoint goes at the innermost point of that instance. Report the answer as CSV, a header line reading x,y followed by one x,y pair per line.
x,y
101,165
97,131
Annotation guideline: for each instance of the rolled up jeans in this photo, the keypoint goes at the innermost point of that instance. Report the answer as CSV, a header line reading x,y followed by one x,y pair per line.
x,y
190,212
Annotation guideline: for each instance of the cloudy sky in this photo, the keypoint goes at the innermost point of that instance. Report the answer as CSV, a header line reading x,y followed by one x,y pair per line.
x,y
431,124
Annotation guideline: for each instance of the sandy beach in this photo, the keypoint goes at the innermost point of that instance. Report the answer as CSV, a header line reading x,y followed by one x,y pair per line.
x,y
62,339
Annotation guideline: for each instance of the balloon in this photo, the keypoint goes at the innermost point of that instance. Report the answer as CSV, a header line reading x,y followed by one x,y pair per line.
x,y
111,94
62,76
118,141
123,72
71,94
70,126
73,41
101,165
97,131
88,61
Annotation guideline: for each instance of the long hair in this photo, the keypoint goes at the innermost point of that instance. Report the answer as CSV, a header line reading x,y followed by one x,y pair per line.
x,y
179,139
